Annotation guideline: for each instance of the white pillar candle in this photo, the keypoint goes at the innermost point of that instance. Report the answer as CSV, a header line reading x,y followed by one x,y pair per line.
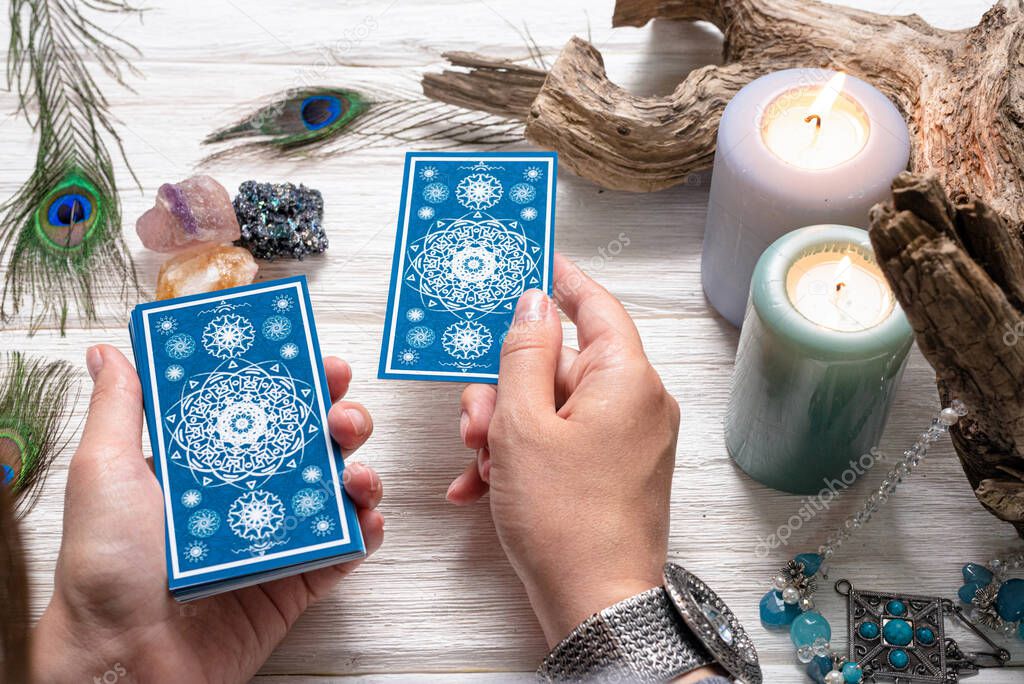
x,y
795,148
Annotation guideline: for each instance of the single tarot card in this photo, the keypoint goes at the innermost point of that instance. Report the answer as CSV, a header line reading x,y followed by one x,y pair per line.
x,y
236,401
475,231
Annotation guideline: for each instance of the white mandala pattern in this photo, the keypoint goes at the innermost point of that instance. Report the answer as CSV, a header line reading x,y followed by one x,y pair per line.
x,y
191,498
276,328
255,516
522,193
282,303
289,351
420,337
408,357
196,551
228,336
241,424
174,373
533,173
467,340
312,474
473,266
425,213
415,315
203,523
322,526
428,173
435,193
180,346
166,325
307,502
478,191
528,214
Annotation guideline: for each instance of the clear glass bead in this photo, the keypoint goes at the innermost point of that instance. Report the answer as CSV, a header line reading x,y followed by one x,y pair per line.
x,y
820,647
806,603
804,654
959,407
948,417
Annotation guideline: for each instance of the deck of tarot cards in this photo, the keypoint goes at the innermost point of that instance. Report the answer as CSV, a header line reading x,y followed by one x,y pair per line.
x,y
236,404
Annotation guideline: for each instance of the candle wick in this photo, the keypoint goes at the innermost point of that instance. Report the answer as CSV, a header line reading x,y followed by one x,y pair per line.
x,y
840,286
816,117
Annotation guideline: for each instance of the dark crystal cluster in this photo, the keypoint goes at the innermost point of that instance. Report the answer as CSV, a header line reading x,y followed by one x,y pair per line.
x,y
279,219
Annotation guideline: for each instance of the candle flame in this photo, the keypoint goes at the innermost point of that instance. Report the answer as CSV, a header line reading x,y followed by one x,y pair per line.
x,y
826,99
841,269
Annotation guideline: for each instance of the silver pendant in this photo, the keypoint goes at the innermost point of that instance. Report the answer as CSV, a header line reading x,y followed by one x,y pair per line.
x,y
901,638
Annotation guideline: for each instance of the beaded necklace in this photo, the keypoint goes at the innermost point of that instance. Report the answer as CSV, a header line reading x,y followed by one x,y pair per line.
x,y
898,637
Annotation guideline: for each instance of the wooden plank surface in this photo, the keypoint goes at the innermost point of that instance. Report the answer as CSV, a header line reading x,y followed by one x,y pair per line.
x,y
439,598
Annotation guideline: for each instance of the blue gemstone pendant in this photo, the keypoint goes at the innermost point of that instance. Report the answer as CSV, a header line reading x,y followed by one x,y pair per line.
x,y
901,637
892,634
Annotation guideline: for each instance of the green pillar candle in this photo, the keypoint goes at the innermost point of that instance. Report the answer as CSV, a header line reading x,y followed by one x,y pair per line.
x,y
822,349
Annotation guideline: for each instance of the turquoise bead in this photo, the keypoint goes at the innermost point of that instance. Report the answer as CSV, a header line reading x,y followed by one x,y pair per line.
x,y
809,626
818,668
811,561
1010,600
1020,631
898,632
977,574
968,591
896,607
776,613
898,658
852,673
925,636
868,630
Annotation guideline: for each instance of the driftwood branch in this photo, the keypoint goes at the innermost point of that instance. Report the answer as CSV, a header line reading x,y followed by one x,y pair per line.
x,y
957,271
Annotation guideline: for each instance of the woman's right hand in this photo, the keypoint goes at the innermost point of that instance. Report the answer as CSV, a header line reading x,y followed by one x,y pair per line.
x,y
578,450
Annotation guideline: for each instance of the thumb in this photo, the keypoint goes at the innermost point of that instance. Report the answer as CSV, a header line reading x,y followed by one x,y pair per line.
x,y
529,357
113,428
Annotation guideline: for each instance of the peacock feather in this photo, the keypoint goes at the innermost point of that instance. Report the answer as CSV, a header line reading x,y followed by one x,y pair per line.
x,y
60,234
34,405
331,119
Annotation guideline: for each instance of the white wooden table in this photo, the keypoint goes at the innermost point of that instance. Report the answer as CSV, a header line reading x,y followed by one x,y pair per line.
x,y
439,599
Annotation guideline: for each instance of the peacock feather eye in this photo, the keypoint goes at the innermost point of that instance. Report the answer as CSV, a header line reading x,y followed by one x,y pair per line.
x,y
304,117
334,119
66,217
34,403
14,453
320,110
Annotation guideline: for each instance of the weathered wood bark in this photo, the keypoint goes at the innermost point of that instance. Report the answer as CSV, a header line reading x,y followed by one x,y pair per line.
x,y
958,272
957,267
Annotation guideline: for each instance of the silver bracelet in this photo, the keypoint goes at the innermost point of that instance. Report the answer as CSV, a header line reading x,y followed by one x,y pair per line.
x,y
655,636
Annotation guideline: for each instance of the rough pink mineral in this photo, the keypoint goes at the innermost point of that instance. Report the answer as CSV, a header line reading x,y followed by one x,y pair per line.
x,y
205,268
198,209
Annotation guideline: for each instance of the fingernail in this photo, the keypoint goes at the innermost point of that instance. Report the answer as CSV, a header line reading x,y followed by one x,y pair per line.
x,y
463,425
358,420
530,307
374,482
485,471
448,494
93,362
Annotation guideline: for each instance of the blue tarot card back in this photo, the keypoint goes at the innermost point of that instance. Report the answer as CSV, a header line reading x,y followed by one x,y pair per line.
x,y
236,402
475,231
